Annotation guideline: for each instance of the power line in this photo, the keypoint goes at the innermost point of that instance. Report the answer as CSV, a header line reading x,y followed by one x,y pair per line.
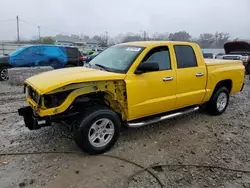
x,y
28,22
46,28
7,20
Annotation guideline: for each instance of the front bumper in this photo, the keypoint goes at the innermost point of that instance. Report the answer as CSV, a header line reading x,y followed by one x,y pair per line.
x,y
31,121
34,122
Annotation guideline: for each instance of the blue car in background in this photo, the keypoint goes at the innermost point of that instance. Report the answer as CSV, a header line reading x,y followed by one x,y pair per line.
x,y
41,55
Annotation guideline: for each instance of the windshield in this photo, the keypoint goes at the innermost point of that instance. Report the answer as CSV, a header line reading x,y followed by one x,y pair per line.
x,y
18,51
117,58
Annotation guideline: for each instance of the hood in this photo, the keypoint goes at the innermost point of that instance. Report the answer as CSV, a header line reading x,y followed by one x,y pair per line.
x,y
48,81
237,46
4,59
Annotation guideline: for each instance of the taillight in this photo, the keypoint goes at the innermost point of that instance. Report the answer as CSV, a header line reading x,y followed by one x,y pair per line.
x,y
80,58
245,59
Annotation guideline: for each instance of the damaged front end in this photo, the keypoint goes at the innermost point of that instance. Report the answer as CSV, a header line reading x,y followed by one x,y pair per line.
x,y
69,102
30,120
34,122
32,114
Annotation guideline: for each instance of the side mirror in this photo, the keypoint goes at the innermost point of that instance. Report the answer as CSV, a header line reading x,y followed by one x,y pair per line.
x,y
147,67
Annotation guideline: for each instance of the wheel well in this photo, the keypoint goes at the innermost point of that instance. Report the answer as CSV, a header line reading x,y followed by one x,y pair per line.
x,y
224,83
8,66
96,99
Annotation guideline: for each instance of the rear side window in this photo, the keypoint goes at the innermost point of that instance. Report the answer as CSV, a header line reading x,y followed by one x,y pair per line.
x,y
73,52
185,56
52,51
37,50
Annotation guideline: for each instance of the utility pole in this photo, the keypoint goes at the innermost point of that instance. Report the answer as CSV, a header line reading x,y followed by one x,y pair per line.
x,y
39,34
17,22
106,37
144,35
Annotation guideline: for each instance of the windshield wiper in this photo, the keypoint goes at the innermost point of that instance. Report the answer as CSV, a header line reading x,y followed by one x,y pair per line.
x,y
103,67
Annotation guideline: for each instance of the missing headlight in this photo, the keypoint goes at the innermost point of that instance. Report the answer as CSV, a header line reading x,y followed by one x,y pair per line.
x,y
56,99
29,91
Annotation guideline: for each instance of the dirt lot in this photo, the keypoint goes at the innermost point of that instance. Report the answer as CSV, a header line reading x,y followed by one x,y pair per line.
x,y
192,139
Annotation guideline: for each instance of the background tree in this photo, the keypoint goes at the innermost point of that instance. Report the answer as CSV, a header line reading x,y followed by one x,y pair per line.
x,y
160,36
180,36
221,39
47,40
102,40
130,37
206,40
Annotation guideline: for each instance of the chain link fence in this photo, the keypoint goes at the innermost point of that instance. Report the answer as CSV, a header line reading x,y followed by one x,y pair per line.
x,y
7,48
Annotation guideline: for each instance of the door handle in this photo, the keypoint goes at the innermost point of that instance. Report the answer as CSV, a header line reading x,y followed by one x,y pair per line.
x,y
198,74
168,78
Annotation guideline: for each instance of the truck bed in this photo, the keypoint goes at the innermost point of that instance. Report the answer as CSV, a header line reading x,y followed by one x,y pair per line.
x,y
213,62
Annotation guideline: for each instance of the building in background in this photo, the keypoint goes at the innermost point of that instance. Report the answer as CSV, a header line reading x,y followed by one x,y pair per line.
x,y
76,41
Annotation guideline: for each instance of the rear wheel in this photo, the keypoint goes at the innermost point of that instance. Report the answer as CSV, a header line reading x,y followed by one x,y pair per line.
x,y
219,101
98,130
4,74
248,68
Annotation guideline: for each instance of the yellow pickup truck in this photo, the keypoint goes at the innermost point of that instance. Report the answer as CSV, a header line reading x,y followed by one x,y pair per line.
x,y
131,84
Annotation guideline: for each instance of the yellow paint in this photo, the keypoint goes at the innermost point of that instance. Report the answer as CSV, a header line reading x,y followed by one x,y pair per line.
x,y
145,94
113,94
51,80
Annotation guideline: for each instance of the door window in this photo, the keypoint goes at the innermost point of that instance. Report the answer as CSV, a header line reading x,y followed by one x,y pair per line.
x,y
185,56
72,52
52,51
37,51
161,56
26,52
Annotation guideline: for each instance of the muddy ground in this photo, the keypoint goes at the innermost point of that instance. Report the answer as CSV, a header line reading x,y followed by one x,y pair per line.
x,y
192,139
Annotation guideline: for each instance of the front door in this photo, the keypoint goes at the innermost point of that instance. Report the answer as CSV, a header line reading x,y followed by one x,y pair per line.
x,y
152,92
191,77
29,57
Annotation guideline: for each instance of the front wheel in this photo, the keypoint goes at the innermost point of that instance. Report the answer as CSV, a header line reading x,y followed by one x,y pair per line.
x,y
4,74
98,131
219,101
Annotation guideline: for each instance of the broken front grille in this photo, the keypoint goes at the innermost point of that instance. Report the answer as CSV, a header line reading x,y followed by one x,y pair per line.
x,y
32,94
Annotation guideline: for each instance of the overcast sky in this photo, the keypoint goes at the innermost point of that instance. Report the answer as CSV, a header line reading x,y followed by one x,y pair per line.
x,y
120,16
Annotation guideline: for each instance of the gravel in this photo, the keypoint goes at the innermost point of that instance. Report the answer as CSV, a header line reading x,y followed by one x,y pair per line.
x,y
196,138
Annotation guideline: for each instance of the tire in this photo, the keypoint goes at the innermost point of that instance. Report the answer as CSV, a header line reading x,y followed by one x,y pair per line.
x,y
91,132
4,74
248,68
68,65
219,101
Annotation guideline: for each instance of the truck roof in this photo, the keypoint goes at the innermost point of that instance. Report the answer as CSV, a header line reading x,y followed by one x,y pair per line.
x,y
153,43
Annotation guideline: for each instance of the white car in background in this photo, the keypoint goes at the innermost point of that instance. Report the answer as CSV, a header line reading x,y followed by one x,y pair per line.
x,y
238,50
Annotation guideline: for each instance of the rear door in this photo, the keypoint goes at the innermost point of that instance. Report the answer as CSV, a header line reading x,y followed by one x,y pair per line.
x,y
191,77
73,55
55,57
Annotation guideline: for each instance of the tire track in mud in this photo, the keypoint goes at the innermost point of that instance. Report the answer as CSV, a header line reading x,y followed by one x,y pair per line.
x,y
10,93
11,101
